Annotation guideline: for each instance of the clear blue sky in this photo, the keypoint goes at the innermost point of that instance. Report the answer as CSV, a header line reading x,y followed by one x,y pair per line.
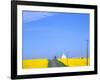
x,y
49,34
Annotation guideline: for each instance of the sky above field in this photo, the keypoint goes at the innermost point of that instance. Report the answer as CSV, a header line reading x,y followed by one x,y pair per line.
x,y
50,34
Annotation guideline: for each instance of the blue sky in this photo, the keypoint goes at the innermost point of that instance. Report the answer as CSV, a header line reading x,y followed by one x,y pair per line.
x,y
49,34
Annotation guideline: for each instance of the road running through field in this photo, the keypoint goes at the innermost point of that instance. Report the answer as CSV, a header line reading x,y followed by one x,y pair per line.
x,y
55,63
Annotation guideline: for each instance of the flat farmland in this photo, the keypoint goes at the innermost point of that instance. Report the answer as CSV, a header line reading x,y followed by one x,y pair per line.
x,y
35,63
45,63
72,62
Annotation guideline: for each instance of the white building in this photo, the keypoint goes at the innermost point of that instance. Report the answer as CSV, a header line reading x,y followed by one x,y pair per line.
x,y
63,56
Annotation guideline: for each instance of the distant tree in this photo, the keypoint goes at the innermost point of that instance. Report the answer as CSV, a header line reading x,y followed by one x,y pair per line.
x,y
55,57
82,57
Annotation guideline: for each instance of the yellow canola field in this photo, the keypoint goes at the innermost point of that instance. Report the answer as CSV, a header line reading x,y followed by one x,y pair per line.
x,y
35,63
72,62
